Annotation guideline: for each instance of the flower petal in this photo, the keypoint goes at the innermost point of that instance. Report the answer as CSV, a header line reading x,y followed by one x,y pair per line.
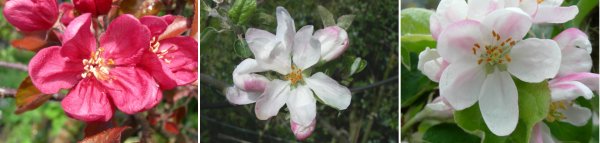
x,y
329,91
498,102
278,60
447,12
274,97
78,39
461,84
479,9
96,7
125,40
155,24
575,50
302,132
569,90
132,89
258,40
238,96
534,60
181,58
31,15
541,134
87,102
588,79
302,106
306,50
50,72
456,42
333,42
244,78
576,115
68,13
507,23
285,27
431,64
553,14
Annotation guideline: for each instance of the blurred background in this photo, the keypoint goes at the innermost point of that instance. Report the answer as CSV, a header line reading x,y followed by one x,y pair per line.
x,y
373,113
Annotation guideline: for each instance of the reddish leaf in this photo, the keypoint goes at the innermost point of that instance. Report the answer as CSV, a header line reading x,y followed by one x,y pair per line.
x,y
28,97
172,123
176,28
194,31
171,128
112,135
31,43
93,128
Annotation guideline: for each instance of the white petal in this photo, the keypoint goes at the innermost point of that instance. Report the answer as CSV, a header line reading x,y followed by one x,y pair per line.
x,y
333,41
244,78
528,6
274,97
430,63
447,12
426,56
279,59
478,9
306,50
541,134
576,115
552,14
508,23
285,27
239,97
257,40
302,105
455,43
534,60
460,84
569,90
588,79
575,50
498,102
329,91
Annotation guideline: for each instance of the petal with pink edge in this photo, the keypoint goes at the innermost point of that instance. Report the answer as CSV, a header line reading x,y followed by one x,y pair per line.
x,y
588,79
569,90
498,102
244,78
302,132
88,102
125,40
302,105
333,42
575,50
461,84
534,60
553,14
507,23
447,12
31,15
238,96
274,97
132,89
50,72
456,42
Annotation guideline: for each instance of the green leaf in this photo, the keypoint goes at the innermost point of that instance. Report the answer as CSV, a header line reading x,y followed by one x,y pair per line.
x,y
241,48
448,133
420,84
358,65
534,100
345,21
326,16
241,11
564,131
414,21
585,7
417,42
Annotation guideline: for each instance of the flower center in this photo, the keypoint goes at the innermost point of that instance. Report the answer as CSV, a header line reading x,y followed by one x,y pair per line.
x,y
295,76
553,113
540,1
162,54
97,66
495,54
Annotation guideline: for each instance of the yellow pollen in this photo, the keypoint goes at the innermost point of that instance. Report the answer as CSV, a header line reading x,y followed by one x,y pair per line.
x,y
295,76
540,1
162,54
97,66
553,113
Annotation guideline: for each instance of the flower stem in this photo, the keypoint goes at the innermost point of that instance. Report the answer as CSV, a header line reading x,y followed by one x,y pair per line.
x,y
418,117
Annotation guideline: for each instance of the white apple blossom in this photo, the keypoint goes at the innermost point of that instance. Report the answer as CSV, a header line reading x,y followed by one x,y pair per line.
x,y
431,64
334,41
290,54
483,56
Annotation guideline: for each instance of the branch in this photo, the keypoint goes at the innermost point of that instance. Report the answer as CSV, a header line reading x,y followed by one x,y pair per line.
x,y
373,85
213,81
17,66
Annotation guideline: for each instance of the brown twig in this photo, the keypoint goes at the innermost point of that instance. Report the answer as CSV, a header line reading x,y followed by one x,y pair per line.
x,y
17,66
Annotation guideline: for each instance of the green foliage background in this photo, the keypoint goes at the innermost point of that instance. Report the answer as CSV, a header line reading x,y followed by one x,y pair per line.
x,y
373,113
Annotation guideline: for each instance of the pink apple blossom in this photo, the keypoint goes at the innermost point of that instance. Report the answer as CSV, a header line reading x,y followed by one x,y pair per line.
x,y
95,7
483,56
334,41
31,15
99,76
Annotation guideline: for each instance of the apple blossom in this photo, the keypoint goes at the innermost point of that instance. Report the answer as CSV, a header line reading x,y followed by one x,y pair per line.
x,y
31,15
290,54
483,56
171,61
68,13
334,41
545,11
541,134
100,76
95,7
431,64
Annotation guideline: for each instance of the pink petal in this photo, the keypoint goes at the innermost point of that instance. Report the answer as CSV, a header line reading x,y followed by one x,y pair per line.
x,y
447,12
31,15
88,102
244,77
156,24
68,13
334,41
78,40
507,23
95,7
183,58
552,14
238,96
50,72
162,74
588,79
456,42
302,132
132,89
575,50
125,40
569,90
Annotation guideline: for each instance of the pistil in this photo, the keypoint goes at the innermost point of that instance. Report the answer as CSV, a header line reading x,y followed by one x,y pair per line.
x,y
97,66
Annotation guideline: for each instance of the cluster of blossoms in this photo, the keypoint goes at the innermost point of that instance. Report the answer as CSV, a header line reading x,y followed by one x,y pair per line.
x,y
481,47
125,65
291,54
